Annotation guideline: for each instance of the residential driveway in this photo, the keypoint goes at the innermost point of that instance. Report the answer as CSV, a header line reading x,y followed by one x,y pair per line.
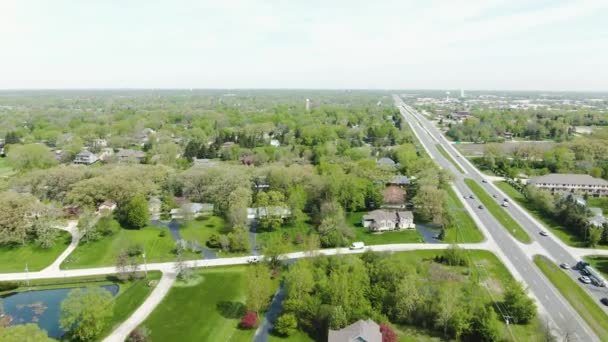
x,y
427,233
263,331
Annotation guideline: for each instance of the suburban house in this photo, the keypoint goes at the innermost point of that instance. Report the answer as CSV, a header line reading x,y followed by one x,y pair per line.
x,y
399,180
566,182
85,157
130,155
204,162
256,213
99,143
360,331
106,205
382,220
194,209
386,162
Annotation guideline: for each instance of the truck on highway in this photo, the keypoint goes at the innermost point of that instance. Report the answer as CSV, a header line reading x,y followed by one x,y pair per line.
x,y
595,276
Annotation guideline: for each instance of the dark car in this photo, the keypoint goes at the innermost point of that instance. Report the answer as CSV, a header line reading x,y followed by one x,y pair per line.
x,y
604,300
480,207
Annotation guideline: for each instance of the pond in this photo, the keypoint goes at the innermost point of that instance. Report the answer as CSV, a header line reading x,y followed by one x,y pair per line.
x,y
41,307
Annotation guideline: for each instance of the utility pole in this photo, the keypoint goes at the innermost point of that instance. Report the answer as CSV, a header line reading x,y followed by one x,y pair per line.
x,y
145,265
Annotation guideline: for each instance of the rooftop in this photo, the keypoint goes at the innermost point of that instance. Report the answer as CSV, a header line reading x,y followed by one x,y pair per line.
x,y
568,178
360,331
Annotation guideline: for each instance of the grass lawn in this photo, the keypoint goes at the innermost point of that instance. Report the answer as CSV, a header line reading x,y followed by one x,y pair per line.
x,y
105,251
551,224
586,306
498,212
5,169
299,336
13,258
464,228
600,202
599,262
449,157
292,234
209,310
199,230
364,235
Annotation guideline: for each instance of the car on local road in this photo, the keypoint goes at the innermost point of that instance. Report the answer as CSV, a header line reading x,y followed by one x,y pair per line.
x,y
604,300
585,280
471,196
484,181
544,233
564,266
480,207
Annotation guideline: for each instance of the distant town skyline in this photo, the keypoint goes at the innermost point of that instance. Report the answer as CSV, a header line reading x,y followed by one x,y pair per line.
x,y
438,44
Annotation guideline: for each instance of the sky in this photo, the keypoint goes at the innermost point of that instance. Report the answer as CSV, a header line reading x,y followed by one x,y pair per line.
x,y
404,44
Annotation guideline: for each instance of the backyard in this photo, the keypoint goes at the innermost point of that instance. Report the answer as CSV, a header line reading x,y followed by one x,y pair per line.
x,y
14,258
157,243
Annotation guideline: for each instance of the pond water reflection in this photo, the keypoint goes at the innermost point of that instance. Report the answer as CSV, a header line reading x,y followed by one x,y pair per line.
x,y
41,307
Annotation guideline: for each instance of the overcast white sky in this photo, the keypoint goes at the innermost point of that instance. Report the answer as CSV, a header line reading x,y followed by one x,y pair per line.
x,y
434,44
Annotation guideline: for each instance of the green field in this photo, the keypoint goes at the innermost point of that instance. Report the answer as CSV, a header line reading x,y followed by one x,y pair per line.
x,y
463,229
498,212
292,234
369,238
299,336
207,311
5,170
580,300
105,251
445,154
599,202
13,258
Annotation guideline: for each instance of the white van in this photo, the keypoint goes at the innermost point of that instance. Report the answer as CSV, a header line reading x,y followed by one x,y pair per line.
x,y
357,245
505,204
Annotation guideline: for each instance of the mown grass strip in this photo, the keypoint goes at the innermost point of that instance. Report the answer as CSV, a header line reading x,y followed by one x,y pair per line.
x,y
498,212
449,157
580,300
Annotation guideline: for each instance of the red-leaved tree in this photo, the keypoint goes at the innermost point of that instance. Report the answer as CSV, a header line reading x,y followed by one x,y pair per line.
x,y
249,321
388,334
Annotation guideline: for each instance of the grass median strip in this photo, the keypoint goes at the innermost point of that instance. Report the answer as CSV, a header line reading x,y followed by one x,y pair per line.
x,y
448,157
464,228
578,298
498,212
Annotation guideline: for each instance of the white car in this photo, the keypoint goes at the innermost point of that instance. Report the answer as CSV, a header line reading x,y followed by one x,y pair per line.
x,y
253,260
564,266
357,245
585,280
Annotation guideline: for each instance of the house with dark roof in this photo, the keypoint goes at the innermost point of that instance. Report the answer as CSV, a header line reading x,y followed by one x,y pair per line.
x,y
399,180
571,183
360,331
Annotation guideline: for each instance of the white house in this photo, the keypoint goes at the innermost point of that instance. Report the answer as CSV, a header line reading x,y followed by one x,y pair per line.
x,y
256,213
382,220
85,157
194,209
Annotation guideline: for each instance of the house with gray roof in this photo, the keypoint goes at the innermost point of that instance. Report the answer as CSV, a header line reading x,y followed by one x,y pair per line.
x,y
383,220
85,157
386,162
130,155
572,183
360,331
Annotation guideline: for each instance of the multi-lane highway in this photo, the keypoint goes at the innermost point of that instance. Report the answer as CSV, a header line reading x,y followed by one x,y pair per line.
x,y
555,306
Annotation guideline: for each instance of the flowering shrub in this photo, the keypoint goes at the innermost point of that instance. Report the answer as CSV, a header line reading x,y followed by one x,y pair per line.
x,y
249,321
